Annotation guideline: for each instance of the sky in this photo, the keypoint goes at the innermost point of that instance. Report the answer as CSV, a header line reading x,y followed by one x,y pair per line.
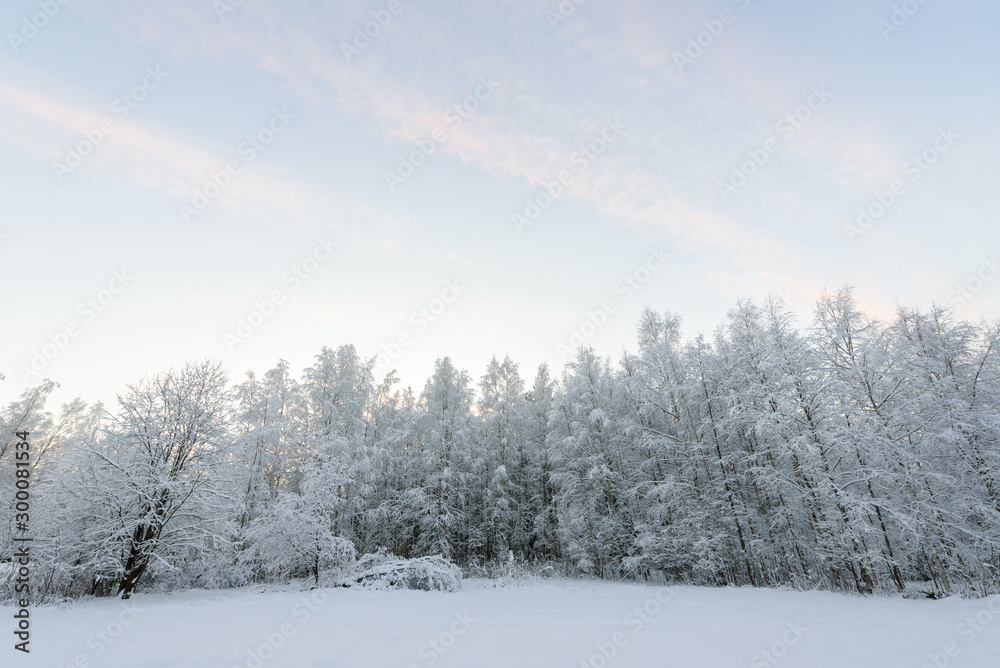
x,y
252,180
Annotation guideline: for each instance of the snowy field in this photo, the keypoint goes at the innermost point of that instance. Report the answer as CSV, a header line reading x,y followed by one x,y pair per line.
x,y
550,624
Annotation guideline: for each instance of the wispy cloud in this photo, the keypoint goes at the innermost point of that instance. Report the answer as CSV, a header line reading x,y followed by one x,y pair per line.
x,y
559,85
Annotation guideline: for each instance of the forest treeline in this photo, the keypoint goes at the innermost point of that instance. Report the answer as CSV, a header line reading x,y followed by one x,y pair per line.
x,y
851,454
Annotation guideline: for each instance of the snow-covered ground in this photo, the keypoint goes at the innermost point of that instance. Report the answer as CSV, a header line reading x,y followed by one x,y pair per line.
x,y
549,624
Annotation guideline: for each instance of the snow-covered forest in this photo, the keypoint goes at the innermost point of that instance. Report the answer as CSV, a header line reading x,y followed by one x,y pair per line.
x,y
846,454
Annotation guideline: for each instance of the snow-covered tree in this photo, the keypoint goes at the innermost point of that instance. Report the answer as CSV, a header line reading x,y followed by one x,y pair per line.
x,y
849,454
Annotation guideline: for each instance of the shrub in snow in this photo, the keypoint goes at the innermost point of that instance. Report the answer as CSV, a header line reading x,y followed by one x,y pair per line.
x,y
385,571
510,573
294,539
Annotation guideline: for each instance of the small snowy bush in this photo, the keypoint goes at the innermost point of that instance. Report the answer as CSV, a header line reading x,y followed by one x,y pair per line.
x,y
382,570
510,572
293,539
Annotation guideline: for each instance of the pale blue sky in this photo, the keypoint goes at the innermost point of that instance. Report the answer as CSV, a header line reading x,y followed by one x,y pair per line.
x,y
681,130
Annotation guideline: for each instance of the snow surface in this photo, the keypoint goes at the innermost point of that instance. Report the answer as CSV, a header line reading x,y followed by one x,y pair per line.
x,y
549,624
